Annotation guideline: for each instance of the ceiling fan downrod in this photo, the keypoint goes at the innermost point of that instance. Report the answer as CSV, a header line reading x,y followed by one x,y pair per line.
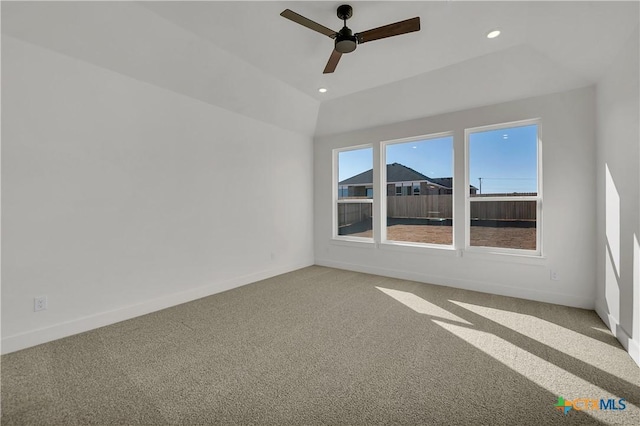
x,y
345,42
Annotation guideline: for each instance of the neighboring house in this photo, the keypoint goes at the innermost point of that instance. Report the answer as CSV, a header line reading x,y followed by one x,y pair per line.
x,y
401,180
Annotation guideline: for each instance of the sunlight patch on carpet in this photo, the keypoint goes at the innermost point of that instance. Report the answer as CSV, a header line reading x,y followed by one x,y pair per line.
x,y
420,305
576,345
556,380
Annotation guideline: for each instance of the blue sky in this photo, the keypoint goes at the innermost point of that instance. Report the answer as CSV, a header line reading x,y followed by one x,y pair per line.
x,y
351,163
431,157
505,159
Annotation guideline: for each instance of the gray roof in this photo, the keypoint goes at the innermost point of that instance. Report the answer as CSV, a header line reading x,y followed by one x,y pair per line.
x,y
396,172
361,179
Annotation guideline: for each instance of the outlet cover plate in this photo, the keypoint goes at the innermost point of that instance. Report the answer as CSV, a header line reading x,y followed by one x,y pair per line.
x,y
40,303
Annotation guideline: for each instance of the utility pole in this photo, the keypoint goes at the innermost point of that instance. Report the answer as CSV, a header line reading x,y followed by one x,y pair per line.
x,y
480,179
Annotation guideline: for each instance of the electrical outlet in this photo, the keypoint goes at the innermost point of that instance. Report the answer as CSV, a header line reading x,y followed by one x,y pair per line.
x,y
40,303
555,276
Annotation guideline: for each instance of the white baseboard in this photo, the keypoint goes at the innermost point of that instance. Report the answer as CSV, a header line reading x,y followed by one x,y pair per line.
x,y
631,346
91,322
483,287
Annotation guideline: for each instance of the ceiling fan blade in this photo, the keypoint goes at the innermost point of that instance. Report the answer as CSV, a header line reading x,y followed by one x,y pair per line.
x,y
305,22
332,63
398,28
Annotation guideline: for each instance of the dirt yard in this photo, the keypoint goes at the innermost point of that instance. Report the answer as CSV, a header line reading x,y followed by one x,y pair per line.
x,y
518,238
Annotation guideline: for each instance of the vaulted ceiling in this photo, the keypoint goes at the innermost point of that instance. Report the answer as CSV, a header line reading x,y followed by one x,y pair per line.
x,y
579,37
196,47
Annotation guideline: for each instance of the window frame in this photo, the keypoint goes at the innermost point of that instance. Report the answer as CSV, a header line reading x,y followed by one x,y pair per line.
x,y
335,193
383,197
538,198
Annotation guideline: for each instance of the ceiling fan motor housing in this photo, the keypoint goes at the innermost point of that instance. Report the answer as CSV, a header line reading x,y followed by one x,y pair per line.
x,y
345,41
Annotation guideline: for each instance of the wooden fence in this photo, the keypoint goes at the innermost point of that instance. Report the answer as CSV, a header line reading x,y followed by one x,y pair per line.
x,y
504,210
440,206
350,213
420,206
436,206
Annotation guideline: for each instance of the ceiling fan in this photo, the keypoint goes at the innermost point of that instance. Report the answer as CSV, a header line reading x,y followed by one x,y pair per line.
x,y
345,40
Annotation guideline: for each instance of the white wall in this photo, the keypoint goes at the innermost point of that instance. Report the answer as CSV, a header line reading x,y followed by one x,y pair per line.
x,y
128,38
618,174
121,197
567,132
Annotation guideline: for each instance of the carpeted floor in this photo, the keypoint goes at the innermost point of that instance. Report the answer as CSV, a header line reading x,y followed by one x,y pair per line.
x,y
325,346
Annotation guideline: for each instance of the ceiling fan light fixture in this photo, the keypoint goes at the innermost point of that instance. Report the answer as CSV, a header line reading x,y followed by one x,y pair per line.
x,y
345,41
493,33
346,44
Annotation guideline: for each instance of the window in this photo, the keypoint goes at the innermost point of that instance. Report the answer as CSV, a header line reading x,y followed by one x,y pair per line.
x,y
415,176
354,193
504,204
412,167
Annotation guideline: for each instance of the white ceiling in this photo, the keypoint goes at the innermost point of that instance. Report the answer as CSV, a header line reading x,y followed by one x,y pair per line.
x,y
245,57
581,37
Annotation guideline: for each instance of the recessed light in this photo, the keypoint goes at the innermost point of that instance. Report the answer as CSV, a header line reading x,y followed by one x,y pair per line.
x,y
322,90
493,34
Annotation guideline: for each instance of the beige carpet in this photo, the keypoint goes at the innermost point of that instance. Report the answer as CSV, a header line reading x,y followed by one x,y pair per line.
x,y
325,346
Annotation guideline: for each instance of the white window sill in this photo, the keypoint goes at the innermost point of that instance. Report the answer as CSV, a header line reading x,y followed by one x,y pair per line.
x,y
430,249
446,251
498,256
354,242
